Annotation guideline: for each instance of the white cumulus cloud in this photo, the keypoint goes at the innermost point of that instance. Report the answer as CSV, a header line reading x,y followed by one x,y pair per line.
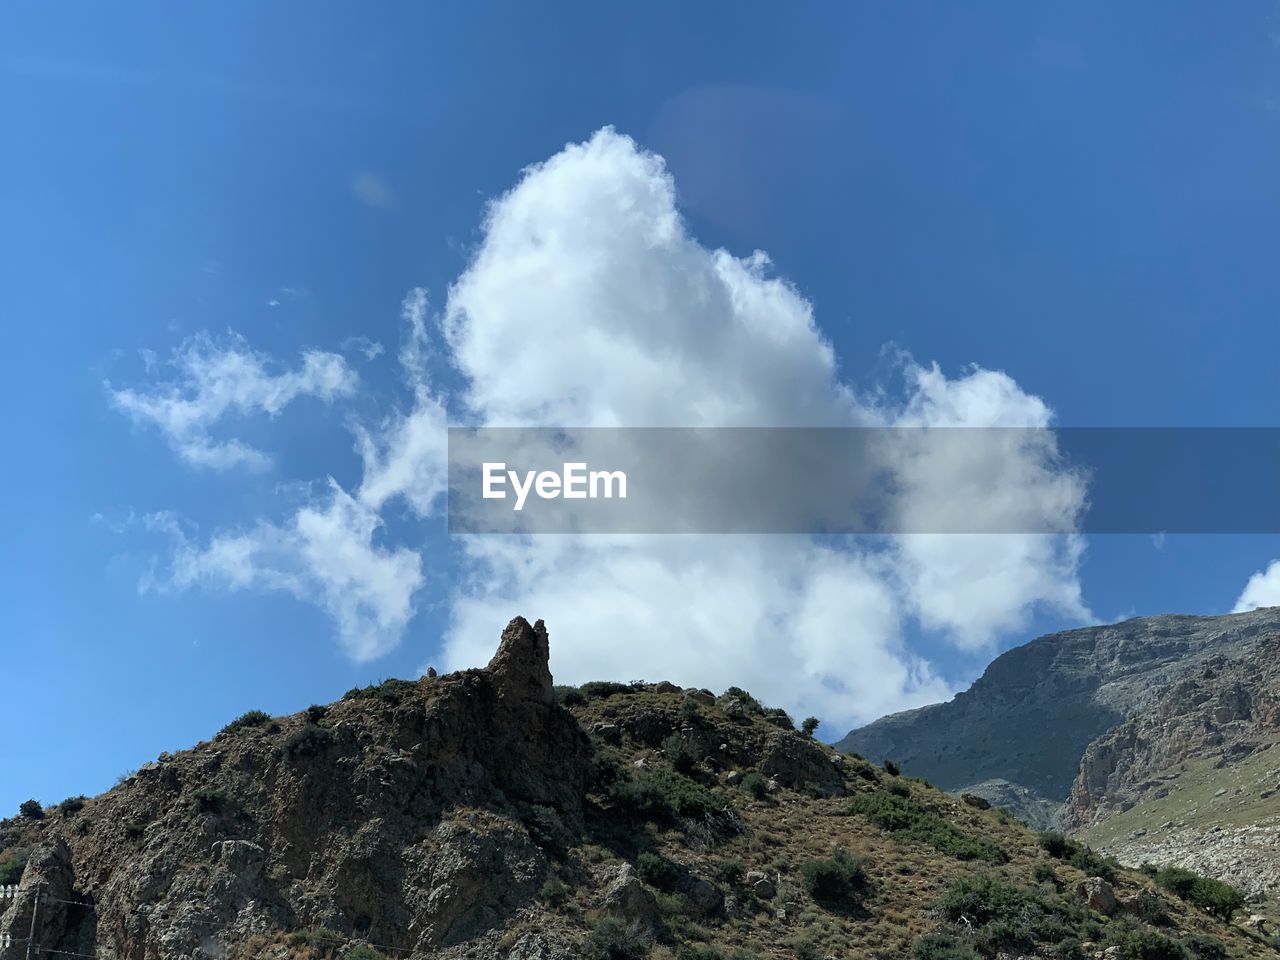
x,y
588,303
1262,590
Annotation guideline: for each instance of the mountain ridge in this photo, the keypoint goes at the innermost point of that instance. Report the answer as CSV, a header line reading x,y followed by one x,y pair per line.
x,y
490,815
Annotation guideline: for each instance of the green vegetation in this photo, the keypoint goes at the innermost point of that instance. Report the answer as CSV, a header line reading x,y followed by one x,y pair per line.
x,y
679,753
12,863
809,726
568,696
73,804
668,797
554,892
754,785
657,871
603,689
1214,896
943,946
836,883
307,741
391,691
362,951
316,713
31,809
252,718
747,700
730,871
1078,855
905,820
612,939
1136,943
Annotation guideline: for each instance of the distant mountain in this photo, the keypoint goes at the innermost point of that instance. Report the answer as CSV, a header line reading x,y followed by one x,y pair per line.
x,y
1194,776
488,815
1075,728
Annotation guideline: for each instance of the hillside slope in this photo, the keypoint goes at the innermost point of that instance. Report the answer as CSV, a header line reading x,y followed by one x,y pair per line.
x,y
485,814
1018,734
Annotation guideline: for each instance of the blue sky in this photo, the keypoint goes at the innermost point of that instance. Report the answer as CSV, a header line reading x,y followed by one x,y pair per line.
x,y
1083,198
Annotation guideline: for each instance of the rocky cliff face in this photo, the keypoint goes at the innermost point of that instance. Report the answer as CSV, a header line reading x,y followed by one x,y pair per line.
x,y
399,814
1020,731
1194,777
1151,738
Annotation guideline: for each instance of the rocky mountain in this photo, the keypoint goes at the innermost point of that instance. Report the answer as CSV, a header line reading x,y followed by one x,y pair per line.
x,y
1106,729
1194,777
487,814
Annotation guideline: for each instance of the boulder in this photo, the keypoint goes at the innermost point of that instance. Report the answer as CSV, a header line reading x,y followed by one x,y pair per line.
x,y
627,898
1098,894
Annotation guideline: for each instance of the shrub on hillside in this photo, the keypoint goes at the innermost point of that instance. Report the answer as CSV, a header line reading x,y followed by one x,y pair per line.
x,y
746,699
316,712
656,870
906,820
1081,857
679,753
307,741
12,863
388,691
755,785
568,696
1137,943
1220,899
1004,917
1044,873
835,883
31,809
247,720
730,871
809,726
614,939
602,689
73,804
667,797
1203,947
942,946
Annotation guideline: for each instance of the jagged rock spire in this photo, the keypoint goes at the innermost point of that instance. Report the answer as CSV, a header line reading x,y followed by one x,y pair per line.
x,y
521,667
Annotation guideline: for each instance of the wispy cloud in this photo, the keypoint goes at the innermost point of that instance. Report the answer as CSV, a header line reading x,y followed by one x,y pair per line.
x,y
219,380
324,554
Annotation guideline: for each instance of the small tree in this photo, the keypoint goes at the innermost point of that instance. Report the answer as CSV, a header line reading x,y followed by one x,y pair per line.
x,y
31,809
809,726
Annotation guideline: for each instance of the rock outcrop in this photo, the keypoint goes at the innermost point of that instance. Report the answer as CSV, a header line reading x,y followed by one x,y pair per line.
x,y
410,814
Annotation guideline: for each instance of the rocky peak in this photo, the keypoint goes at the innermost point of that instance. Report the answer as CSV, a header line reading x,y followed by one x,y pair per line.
x,y
521,666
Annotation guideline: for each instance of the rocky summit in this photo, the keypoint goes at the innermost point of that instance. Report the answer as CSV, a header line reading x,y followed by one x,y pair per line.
x,y
491,815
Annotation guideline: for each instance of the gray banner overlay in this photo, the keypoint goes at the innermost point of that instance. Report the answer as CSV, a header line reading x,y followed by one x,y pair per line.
x,y
864,480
